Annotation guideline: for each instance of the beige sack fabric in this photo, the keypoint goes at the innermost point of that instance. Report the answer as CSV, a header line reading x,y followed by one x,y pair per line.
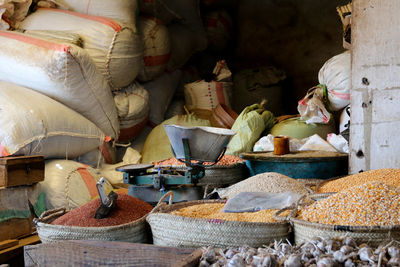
x,y
63,72
114,47
34,124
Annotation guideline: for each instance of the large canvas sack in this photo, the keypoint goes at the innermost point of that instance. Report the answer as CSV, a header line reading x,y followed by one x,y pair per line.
x,y
123,10
34,124
161,92
336,75
65,73
219,28
133,108
156,47
115,49
69,184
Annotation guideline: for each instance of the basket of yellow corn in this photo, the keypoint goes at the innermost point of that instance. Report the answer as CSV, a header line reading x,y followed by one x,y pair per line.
x,y
369,213
201,223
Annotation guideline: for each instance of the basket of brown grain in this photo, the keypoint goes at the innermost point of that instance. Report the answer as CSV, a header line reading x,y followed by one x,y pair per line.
x,y
202,223
126,222
369,213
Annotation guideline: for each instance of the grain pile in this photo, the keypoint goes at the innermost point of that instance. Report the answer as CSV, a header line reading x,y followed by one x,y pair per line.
x,y
225,161
127,209
370,204
387,176
215,211
270,182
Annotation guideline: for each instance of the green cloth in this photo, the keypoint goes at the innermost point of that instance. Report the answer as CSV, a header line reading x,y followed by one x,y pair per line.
x,y
250,124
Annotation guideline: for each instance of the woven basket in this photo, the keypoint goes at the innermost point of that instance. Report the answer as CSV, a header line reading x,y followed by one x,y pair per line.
x,y
305,231
219,175
178,231
135,232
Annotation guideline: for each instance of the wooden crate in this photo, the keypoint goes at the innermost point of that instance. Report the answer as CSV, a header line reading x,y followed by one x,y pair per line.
x,y
14,228
24,170
108,253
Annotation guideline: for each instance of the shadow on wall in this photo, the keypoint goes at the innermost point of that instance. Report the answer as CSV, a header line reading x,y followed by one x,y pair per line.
x,y
296,36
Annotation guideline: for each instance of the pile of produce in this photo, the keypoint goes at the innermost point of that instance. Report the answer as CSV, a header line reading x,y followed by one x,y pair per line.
x,y
215,211
127,209
370,204
387,176
271,182
321,252
225,161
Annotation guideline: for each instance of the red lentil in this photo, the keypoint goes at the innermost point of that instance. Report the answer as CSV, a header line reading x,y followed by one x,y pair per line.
x,y
127,209
225,161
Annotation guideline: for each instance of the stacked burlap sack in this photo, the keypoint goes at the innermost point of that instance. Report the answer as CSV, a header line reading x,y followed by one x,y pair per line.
x,y
79,77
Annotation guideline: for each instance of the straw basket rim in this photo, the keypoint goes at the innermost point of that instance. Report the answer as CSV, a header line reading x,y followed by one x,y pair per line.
x,y
165,211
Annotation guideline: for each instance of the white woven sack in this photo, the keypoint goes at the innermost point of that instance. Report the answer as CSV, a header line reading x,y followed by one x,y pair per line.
x,y
218,26
133,108
65,73
123,10
336,75
207,95
115,49
34,124
157,49
161,92
69,184
104,154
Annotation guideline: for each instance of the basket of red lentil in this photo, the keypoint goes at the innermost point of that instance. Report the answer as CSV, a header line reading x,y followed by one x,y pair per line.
x,y
200,223
126,222
229,170
369,213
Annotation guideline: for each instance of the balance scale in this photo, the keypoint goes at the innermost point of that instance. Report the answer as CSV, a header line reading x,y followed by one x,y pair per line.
x,y
193,146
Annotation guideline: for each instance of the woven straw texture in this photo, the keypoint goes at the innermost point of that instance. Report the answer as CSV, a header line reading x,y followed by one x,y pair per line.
x,y
374,236
218,175
178,231
135,232
305,231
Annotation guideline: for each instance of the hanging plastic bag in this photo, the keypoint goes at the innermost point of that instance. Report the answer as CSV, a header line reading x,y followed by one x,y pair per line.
x,y
256,201
312,107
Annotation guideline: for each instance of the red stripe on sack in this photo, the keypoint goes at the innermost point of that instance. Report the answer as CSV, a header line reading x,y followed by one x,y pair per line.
x,y
339,95
106,154
34,41
147,1
151,61
211,22
87,7
156,20
131,132
152,124
302,102
89,181
3,151
103,20
220,93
